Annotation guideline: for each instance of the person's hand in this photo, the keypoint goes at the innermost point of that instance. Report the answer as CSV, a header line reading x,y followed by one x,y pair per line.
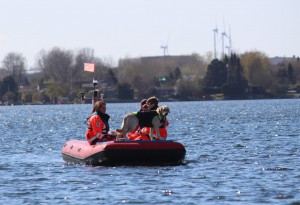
x,y
112,133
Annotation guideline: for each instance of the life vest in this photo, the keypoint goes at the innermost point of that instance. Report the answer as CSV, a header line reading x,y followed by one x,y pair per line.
x,y
97,128
138,136
163,122
145,117
144,133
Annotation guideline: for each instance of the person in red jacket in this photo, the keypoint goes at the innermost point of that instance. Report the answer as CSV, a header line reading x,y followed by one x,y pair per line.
x,y
97,125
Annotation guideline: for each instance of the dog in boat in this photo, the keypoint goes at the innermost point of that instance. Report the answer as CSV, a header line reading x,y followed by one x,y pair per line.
x,y
149,118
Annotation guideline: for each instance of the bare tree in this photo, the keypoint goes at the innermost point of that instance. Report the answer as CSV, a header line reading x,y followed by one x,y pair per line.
x,y
84,55
56,64
15,63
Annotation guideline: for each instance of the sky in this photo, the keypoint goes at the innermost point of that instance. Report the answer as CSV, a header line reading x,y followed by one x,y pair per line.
x,y
118,29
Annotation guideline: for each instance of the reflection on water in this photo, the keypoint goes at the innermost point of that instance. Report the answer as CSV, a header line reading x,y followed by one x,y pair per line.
x,y
238,152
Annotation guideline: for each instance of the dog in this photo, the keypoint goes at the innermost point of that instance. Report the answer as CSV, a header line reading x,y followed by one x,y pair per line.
x,y
131,120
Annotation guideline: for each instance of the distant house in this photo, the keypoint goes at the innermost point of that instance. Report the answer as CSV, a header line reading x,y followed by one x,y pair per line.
x,y
165,92
41,86
90,86
101,88
181,60
62,100
277,60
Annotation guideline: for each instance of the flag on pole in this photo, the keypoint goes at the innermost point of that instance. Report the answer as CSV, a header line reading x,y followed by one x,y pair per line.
x,y
90,67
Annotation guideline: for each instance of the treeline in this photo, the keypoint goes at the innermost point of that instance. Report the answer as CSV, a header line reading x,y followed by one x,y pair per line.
x,y
60,77
251,75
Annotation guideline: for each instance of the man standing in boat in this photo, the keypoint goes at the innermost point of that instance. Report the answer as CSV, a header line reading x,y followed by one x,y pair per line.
x,y
97,125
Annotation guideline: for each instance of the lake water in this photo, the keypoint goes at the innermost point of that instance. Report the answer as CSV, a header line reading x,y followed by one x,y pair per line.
x,y
238,152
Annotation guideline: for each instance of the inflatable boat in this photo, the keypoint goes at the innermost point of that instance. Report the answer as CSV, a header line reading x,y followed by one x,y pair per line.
x,y
156,152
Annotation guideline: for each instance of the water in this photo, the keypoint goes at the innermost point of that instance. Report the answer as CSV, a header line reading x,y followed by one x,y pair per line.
x,y
238,152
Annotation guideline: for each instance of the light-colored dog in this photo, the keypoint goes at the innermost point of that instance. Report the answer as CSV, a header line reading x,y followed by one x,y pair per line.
x,y
130,121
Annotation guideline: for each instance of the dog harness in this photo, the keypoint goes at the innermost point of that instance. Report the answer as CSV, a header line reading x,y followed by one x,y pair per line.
x,y
145,117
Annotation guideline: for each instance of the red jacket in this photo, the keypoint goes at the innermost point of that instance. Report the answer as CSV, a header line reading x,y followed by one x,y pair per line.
x,y
97,130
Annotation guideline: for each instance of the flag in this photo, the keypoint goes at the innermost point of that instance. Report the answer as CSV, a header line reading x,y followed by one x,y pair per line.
x,y
90,67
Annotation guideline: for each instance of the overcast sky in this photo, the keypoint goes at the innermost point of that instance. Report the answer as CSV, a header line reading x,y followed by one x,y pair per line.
x,y
134,28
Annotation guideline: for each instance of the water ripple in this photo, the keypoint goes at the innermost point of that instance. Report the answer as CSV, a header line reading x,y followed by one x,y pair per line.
x,y
238,152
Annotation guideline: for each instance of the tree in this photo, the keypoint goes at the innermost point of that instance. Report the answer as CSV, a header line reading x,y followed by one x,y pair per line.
x,y
132,72
193,65
187,89
9,97
236,88
56,64
172,77
282,76
257,69
290,74
15,63
85,55
10,86
54,90
112,79
216,76
124,91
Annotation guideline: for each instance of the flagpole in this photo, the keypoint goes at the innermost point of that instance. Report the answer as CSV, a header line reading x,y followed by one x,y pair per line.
x,y
95,82
90,67
95,92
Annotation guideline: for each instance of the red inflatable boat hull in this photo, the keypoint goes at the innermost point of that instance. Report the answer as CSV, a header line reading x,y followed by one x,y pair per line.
x,y
124,152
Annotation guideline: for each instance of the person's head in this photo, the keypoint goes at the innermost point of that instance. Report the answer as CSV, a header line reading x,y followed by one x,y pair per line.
x,y
143,102
144,105
152,102
100,106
